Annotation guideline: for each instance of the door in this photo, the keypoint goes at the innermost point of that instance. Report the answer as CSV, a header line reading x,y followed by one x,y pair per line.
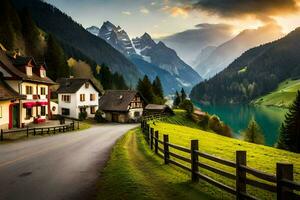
x,y
115,117
16,116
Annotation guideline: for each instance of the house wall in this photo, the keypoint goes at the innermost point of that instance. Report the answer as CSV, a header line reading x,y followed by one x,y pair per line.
x,y
4,114
132,112
72,105
20,87
76,104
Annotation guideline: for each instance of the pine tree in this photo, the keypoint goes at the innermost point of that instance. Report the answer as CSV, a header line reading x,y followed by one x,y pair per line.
x,y
56,60
254,133
10,25
145,88
289,138
177,99
31,35
157,88
183,95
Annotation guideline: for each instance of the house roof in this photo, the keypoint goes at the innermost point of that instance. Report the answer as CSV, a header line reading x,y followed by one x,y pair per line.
x,y
155,107
72,85
7,62
7,93
117,100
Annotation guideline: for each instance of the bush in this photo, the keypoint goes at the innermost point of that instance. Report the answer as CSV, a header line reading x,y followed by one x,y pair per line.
x,y
98,116
82,116
219,127
188,106
203,122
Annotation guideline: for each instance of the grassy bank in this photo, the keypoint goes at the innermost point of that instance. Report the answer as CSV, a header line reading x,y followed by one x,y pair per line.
x,y
134,172
258,156
282,97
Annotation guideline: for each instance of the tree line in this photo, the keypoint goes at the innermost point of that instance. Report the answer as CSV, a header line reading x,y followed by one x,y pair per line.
x,y
151,91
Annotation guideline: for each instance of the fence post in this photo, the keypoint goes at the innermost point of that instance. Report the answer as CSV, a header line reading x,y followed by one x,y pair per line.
x,y
156,142
240,173
27,131
73,125
283,171
34,133
1,137
194,158
166,149
78,126
151,138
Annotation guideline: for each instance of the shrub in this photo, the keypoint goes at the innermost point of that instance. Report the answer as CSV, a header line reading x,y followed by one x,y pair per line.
x,y
253,133
188,106
82,116
203,122
98,116
219,127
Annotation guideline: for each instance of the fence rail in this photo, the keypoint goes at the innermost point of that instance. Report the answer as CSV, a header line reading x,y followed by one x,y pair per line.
x,y
281,184
41,130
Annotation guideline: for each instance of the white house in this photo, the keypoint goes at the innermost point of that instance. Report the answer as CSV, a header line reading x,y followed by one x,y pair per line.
x,y
76,95
29,79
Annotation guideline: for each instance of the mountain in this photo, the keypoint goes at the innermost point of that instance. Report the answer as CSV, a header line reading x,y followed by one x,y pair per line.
x,y
93,30
225,54
145,53
256,72
68,32
189,44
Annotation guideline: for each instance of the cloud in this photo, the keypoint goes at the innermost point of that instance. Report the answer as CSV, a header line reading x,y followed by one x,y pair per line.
x,y
126,12
144,11
179,11
261,9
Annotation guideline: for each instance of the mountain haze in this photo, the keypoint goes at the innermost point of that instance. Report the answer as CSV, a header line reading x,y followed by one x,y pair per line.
x,y
226,53
256,72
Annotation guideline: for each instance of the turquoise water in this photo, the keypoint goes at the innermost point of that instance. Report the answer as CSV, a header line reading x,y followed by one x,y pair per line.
x,y
238,116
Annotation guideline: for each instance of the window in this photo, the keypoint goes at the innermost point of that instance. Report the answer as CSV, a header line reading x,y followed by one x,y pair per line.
x,y
87,85
137,114
29,90
28,113
43,73
1,112
43,111
92,97
43,91
29,71
65,111
93,110
82,97
66,98
82,110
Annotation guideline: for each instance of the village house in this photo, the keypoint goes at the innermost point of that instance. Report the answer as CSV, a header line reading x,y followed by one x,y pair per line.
x,y
76,95
28,78
155,109
122,106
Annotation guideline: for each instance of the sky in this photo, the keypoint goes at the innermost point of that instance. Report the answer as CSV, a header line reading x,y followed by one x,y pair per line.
x,y
161,18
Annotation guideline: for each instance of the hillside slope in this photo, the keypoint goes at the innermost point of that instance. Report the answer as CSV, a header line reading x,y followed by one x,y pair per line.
x,y
257,72
282,97
68,31
225,54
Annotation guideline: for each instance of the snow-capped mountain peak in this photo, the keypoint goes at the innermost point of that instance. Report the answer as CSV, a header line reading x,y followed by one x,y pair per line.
x,y
93,30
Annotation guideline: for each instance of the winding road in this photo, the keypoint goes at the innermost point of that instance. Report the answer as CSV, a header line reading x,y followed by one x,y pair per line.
x,y
64,166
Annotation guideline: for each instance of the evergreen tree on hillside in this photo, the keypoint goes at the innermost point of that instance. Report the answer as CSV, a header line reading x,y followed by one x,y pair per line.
x,y
10,25
56,60
145,88
254,133
118,82
157,88
183,95
31,35
289,138
177,99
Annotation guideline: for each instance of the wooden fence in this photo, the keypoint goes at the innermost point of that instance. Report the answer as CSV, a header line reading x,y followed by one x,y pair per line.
x,y
281,184
41,130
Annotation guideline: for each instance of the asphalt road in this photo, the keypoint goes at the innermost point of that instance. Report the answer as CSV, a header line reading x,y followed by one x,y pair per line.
x,y
59,167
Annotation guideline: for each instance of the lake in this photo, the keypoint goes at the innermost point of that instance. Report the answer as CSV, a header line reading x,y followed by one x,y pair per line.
x,y
238,116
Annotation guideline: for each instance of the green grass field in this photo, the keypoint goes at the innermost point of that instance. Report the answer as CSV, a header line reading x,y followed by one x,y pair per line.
x,y
283,96
134,172
258,156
